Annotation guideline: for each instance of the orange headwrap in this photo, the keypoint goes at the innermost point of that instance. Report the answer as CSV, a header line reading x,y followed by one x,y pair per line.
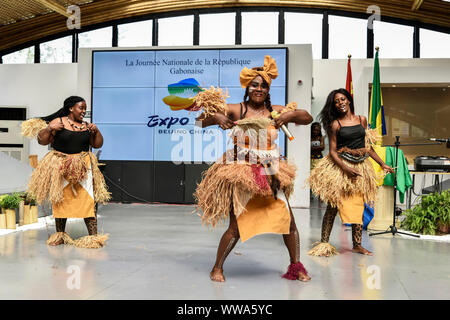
x,y
268,73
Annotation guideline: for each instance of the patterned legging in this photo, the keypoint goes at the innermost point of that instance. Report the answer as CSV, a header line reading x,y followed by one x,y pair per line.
x,y
91,224
327,226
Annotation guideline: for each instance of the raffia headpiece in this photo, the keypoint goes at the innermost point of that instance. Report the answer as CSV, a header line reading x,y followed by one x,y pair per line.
x,y
268,73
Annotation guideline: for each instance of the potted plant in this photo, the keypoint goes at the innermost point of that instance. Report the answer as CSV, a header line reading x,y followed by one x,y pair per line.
x,y
430,215
33,209
11,202
2,213
27,218
22,196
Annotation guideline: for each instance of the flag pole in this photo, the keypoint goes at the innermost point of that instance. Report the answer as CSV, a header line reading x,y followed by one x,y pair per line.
x,y
393,227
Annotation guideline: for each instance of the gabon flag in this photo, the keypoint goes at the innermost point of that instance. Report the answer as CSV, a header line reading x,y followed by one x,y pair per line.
x,y
349,83
376,115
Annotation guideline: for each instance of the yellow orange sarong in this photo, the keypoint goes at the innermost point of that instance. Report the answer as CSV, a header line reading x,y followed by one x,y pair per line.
x,y
351,209
78,198
264,214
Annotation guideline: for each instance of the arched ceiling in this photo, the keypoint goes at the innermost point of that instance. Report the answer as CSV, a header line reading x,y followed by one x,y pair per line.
x,y
24,21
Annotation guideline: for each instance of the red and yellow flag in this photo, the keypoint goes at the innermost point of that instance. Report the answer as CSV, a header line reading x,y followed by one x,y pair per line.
x,y
349,83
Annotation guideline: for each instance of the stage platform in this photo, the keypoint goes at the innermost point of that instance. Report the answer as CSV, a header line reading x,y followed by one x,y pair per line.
x,y
163,252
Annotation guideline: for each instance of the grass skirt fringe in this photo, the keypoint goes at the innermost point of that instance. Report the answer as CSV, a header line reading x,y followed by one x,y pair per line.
x,y
47,180
89,242
31,127
101,194
372,137
323,249
331,184
92,242
223,185
58,236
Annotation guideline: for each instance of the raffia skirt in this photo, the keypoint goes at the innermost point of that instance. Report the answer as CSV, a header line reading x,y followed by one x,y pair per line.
x,y
72,183
244,189
333,186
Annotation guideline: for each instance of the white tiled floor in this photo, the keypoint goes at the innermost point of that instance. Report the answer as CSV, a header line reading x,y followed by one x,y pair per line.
x,y
163,252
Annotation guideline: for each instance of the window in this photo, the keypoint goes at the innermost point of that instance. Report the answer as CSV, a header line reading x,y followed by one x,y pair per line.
x,y
217,29
177,31
57,51
417,112
260,28
96,38
135,34
304,28
394,40
347,36
434,44
22,56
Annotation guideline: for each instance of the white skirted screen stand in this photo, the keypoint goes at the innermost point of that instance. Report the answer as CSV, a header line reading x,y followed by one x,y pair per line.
x,y
384,207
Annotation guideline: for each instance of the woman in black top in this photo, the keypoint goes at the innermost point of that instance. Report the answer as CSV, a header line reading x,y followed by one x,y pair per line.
x,y
317,143
68,176
345,178
71,133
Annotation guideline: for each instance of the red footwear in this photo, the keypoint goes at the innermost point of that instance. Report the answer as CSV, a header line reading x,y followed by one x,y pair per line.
x,y
293,272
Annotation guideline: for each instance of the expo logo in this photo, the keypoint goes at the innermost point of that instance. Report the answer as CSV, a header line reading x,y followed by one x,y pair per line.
x,y
155,120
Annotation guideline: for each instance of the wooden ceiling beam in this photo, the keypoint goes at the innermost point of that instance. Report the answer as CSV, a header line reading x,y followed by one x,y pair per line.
x,y
431,11
416,5
55,6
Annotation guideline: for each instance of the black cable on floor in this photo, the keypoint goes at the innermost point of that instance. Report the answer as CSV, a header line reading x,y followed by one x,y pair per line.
x,y
135,197
128,194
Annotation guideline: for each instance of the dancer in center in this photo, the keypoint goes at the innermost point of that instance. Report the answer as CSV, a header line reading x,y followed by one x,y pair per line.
x,y
251,184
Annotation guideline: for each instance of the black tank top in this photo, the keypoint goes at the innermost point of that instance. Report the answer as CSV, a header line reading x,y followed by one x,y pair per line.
x,y
71,142
352,137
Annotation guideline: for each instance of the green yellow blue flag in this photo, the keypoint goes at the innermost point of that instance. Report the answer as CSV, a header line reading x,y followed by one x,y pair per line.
x,y
376,116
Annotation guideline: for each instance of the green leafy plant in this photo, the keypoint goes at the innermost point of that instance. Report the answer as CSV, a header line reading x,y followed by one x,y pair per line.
x,y
432,212
11,201
1,199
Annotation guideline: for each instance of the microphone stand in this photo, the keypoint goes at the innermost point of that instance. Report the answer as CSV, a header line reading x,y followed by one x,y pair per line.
x,y
393,228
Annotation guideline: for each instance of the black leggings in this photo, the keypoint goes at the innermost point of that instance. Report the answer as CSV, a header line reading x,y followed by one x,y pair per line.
x,y
91,224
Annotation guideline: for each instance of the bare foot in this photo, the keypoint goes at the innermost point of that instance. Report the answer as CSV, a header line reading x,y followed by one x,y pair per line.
x,y
56,242
303,277
217,275
360,249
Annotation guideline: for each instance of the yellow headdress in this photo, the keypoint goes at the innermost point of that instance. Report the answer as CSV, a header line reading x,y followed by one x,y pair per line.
x,y
268,73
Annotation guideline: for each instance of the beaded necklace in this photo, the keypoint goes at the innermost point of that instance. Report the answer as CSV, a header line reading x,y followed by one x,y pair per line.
x,y
74,126
259,111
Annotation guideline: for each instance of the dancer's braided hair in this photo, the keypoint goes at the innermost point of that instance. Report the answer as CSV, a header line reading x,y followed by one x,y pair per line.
x,y
64,111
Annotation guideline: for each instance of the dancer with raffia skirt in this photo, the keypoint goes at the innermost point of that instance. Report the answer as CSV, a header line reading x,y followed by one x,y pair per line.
x,y
345,178
250,184
68,176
